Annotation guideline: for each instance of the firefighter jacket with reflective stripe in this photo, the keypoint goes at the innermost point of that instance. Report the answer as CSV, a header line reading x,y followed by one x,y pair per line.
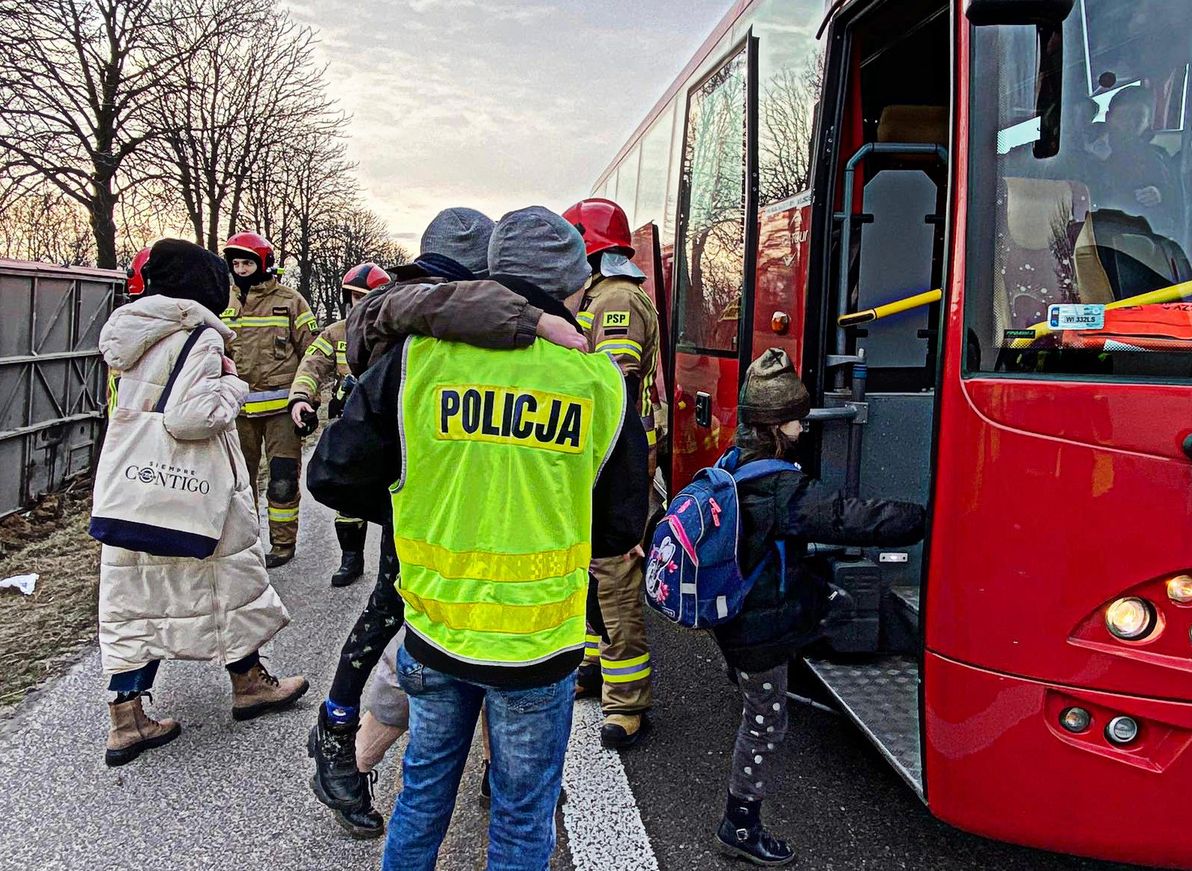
x,y
325,362
493,512
619,320
274,327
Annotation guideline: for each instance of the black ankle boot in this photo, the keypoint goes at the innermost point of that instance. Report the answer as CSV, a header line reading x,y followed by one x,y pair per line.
x,y
336,781
351,542
351,567
742,835
362,822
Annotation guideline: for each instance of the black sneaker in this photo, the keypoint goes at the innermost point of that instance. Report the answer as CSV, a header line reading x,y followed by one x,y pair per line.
x,y
363,822
336,782
754,845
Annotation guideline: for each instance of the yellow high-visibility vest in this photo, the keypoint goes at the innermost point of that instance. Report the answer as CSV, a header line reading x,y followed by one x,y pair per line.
x,y
493,515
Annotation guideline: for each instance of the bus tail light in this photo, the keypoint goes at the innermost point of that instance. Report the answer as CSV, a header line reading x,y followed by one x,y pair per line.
x,y
1130,618
1076,719
1179,589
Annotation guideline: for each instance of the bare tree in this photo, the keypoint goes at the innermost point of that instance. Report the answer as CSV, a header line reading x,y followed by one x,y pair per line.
x,y
787,116
79,80
44,224
246,96
355,236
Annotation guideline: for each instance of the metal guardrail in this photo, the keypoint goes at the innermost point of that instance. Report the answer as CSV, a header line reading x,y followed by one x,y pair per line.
x,y
52,377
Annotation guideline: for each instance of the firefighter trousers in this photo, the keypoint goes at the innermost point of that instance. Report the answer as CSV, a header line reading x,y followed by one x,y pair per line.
x,y
283,452
624,659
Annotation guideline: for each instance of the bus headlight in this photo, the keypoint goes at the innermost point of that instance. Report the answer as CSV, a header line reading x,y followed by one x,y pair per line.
x,y
1121,730
1179,589
1130,618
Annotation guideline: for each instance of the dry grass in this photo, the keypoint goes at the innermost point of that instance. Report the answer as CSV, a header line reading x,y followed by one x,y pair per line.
x,y
41,634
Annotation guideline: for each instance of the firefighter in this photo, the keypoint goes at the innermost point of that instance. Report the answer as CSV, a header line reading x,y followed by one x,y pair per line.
x,y
619,319
326,361
274,328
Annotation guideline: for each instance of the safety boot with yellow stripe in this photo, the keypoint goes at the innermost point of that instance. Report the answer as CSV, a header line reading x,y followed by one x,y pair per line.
x,y
622,731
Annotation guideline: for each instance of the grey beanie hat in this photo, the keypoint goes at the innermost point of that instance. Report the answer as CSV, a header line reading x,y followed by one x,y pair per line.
x,y
542,248
772,392
461,234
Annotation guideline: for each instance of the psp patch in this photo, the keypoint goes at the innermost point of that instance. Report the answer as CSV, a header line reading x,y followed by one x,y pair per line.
x,y
514,416
615,319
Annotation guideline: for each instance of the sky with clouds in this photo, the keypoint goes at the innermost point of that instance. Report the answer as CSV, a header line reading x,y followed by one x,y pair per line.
x,y
495,104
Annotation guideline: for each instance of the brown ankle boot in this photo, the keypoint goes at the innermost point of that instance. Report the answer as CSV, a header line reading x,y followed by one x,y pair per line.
x,y
133,731
373,738
258,692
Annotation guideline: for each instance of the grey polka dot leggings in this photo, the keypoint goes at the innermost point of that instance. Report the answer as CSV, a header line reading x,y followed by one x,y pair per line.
x,y
763,726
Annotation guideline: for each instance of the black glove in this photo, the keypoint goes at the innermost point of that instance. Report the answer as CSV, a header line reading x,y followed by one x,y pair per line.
x,y
310,422
335,408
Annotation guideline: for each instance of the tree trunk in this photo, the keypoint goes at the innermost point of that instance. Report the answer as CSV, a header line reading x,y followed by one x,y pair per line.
x,y
103,221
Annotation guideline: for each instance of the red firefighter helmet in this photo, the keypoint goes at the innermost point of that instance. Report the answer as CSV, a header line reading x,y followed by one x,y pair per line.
x,y
603,224
136,281
253,244
365,277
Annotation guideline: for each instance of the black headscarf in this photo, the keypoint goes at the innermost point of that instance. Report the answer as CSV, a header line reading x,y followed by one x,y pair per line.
x,y
183,270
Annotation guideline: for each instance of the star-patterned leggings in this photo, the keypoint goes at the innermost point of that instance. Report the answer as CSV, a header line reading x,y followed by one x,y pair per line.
x,y
763,726
380,620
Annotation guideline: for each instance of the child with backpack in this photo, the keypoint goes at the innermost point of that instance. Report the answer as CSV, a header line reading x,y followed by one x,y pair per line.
x,y
773,606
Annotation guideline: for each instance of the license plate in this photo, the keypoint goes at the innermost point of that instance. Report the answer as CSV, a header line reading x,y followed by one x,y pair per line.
x,y
1076,317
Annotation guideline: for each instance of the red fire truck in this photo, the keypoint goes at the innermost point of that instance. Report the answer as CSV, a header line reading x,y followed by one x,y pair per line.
x,y
969,223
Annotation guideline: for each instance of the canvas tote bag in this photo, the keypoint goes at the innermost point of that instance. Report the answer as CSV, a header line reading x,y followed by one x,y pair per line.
x,y
158,494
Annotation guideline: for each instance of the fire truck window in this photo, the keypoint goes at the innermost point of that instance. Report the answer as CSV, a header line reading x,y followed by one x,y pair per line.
x,y
1086,270
711,269
626,194
790,73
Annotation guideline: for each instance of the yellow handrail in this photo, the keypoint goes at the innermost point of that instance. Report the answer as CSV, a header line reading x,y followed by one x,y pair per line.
x,y
890,308
1153,297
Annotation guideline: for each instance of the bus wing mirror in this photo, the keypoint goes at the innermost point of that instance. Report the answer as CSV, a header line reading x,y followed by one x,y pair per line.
x,y
1051,13
1048,16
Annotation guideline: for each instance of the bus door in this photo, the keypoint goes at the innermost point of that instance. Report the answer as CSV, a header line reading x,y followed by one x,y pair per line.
x,y
715,261
648,258
872,351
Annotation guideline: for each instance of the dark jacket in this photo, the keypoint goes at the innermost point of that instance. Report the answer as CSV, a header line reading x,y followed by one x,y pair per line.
x,y
360,455
773,622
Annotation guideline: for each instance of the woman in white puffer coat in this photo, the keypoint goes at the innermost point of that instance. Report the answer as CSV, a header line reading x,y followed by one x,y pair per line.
x,y
151,608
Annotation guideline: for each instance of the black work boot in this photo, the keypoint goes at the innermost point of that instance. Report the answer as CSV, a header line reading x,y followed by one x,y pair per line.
x,y
742,835
336,781
362,822
622,731
278,556
351,542
588,681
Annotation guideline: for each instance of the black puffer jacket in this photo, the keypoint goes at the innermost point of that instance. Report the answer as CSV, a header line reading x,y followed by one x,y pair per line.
x,y
775,621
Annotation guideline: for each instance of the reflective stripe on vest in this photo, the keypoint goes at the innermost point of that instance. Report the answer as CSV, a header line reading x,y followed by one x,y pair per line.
x,y
493,514
266,402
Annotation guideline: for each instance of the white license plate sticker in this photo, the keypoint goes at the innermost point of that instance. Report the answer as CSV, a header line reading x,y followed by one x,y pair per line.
x,y
1076,317
893,558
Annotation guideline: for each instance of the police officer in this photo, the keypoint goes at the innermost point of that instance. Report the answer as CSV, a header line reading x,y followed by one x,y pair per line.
x,y
274,328
619,320
326,362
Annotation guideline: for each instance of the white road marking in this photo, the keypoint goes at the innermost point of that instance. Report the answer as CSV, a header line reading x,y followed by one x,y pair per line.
x,y
604,827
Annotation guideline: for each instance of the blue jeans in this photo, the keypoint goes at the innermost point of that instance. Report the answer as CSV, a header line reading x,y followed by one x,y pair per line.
x,y
528,730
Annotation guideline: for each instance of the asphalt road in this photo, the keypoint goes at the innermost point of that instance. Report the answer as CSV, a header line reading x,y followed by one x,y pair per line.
x,y
229,795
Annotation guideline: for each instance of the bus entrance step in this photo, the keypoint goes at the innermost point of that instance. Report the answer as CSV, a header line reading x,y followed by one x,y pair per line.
x,y
908,598
882,698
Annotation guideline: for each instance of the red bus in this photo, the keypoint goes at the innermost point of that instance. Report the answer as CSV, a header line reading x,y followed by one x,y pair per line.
x,y
808,181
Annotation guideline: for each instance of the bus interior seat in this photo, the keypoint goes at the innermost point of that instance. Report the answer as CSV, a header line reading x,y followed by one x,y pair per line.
x,y
904,123
1039,219
1119,256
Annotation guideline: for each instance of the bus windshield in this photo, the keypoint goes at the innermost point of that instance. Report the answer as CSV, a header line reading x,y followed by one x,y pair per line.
x,y
1086,272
